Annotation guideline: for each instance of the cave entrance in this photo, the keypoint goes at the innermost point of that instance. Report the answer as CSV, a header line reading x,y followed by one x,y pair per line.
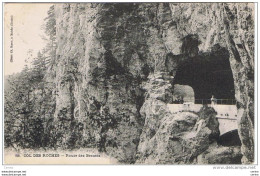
x,y
230,138
208,74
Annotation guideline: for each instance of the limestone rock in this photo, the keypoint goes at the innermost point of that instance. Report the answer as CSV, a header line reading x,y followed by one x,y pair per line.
x,y
123,57
175,138
221,155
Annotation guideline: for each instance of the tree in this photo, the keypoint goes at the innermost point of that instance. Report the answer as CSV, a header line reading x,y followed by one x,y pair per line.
x,y
103,121
30,96
28,106
50,31
18,106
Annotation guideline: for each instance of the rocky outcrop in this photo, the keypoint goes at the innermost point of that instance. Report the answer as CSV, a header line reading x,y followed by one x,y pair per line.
x,y
118,61
172,138
105,52
239,30
222,155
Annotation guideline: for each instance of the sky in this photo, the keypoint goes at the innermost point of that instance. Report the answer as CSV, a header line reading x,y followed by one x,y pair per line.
x,y
28,19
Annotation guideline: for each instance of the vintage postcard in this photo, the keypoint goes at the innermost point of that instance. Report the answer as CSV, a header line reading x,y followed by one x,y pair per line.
x,y
129,83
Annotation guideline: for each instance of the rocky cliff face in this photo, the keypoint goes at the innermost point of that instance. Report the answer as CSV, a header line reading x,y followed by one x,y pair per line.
x,y
173,138
118,61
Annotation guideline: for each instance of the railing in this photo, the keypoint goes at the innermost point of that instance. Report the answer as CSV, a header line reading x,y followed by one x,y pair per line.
x,y
208,101
226,118
217,101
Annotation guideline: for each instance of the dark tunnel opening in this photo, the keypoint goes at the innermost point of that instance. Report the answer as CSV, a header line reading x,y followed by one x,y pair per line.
x,y
230,138
208,74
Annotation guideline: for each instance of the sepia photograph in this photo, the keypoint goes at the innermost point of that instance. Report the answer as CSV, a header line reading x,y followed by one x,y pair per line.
x,y
136,83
